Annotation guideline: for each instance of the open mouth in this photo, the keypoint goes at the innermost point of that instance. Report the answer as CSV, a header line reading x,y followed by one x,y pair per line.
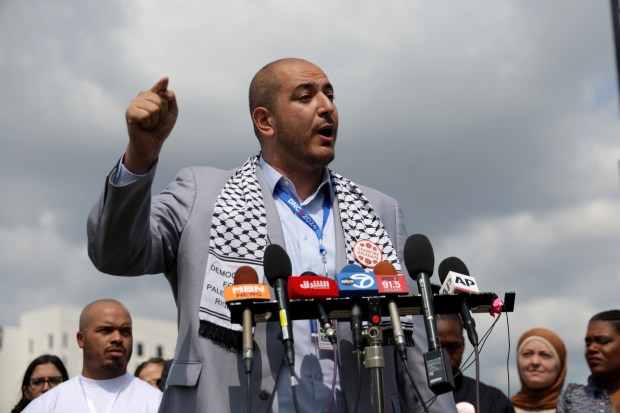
x,y
326,130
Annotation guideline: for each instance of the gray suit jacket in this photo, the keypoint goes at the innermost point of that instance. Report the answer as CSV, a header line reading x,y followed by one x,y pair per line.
x,y
130,233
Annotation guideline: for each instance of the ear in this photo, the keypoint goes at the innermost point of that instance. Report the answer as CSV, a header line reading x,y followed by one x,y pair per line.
x,y
263,122
80,339
26,393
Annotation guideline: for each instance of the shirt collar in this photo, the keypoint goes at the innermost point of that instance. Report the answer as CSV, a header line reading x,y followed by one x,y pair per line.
x,y
273,177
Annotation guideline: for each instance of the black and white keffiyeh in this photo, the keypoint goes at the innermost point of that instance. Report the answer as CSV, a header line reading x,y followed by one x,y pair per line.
x,y
239,237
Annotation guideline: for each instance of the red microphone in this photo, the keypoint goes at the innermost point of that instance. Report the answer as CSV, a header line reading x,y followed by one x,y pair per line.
x,y
389,283
316,287
246,288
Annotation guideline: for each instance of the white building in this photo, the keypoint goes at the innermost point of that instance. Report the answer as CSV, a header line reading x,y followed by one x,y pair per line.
x,y
52,330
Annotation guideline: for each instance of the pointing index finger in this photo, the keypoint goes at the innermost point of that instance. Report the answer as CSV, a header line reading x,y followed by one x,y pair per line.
x,y
161,85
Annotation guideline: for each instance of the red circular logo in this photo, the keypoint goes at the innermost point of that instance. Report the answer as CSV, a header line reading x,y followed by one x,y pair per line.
x,y
367,253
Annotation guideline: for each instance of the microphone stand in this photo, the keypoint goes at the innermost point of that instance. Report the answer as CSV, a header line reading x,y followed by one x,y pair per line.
x,y
373,353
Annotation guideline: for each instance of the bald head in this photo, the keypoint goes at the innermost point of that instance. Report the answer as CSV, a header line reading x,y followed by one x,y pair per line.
x,y
93,309
266,84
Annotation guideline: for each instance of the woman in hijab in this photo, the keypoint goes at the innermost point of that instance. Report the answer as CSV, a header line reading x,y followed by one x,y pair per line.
x,y
602,393
541,361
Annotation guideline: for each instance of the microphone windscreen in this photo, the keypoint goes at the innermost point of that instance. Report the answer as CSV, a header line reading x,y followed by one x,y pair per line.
x,y
352,268
276,263
453,264
385,268
419,256
245,275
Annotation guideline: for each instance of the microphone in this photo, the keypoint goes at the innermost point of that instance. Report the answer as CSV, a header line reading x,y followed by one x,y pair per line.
x,y
246,288
315,287
455,279
390,282
278,269
420,260
354,282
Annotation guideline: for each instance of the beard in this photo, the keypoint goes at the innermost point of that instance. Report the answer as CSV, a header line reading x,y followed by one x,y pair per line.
x,y
292,142
107,364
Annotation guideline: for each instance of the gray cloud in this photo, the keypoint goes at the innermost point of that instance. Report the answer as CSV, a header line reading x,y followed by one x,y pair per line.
x,y
494,124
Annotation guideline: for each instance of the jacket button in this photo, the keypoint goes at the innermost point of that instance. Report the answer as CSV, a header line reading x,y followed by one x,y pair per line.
x,y
264,395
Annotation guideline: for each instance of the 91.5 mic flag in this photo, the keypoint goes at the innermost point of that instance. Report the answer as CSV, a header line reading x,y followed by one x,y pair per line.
x,y
420,260
278,269
390,282
246,288
455,279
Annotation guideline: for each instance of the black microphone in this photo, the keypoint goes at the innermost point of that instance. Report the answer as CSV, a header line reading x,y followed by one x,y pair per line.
x,y
455,265
277,266
420,260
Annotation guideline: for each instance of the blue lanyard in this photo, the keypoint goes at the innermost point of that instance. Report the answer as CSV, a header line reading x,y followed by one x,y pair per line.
x,y
293,203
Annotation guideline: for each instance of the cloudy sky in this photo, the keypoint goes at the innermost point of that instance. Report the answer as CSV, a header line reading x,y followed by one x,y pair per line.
x,y
495,124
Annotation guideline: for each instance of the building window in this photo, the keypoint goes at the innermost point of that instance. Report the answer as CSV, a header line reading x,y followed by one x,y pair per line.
x,y
160,351
139,349
50,341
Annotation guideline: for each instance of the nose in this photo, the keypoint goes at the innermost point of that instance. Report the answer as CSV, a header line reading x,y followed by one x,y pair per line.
x,y
46,386
116,337
592,348
326,105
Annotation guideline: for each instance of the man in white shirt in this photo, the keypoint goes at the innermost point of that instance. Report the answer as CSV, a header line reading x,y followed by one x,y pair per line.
x,y
104,386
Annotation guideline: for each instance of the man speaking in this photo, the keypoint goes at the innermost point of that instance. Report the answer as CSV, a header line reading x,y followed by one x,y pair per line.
x,y
209,222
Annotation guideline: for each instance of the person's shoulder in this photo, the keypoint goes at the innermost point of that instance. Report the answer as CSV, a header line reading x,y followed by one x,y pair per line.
x,y
204,171
143,387
573,390
489,392
493,390
49,398
375,193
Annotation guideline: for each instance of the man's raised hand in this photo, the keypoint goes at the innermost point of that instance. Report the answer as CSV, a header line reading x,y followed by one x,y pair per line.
x,y
150,119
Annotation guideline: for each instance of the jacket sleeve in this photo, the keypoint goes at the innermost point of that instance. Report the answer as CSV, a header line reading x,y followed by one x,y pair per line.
x,y
131,234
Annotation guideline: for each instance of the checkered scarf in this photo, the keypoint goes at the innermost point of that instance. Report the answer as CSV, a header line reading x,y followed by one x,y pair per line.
x,y
239,237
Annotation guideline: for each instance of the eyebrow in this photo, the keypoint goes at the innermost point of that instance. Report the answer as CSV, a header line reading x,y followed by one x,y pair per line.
x,y
309,85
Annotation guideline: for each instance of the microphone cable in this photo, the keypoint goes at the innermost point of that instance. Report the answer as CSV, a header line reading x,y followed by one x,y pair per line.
x,y
249,392
332,394
415,387
359,380
294,388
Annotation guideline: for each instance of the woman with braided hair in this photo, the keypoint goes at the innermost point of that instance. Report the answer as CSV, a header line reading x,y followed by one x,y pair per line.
x,y
602,393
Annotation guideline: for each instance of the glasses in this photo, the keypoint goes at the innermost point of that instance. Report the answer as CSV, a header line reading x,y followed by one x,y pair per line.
x,y
39,382
154,382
